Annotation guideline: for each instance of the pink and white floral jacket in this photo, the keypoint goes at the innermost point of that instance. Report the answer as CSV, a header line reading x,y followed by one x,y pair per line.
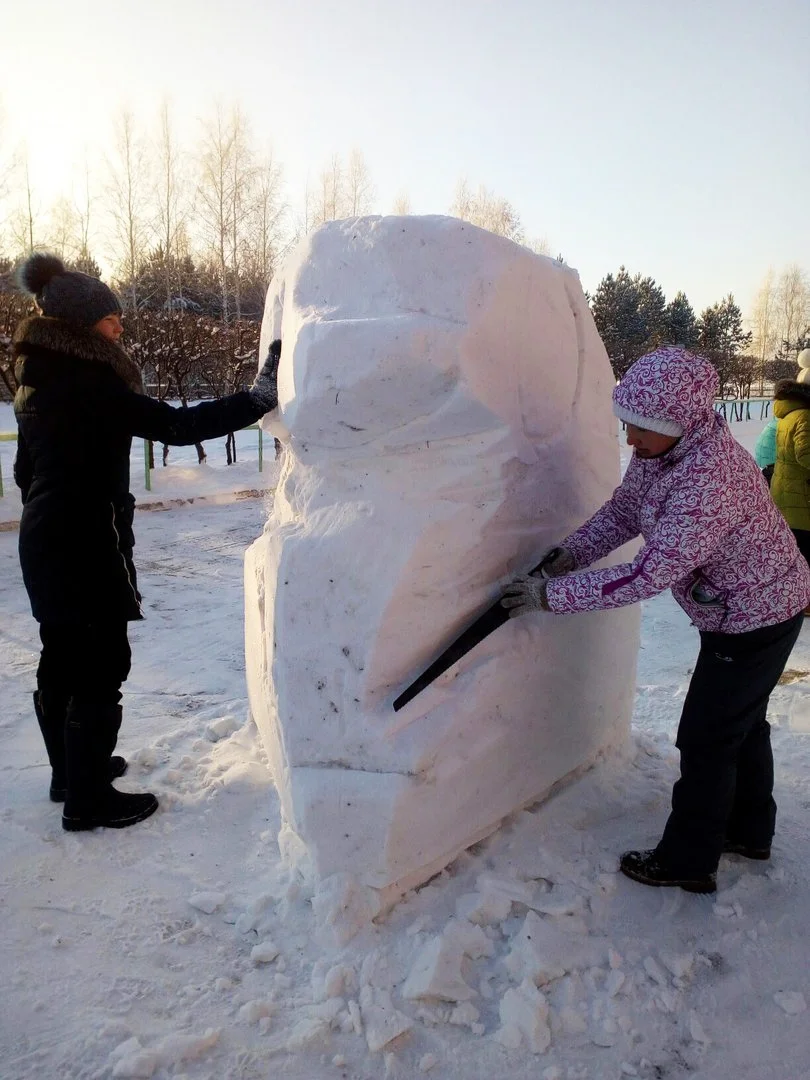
x,y
711,531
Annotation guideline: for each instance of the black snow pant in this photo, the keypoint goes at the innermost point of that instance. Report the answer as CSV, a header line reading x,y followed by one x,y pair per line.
x,y
725,791
803,540
82,667
85,662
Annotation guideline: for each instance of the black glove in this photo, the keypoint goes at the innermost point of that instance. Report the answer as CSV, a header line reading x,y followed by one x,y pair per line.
x,y
264,390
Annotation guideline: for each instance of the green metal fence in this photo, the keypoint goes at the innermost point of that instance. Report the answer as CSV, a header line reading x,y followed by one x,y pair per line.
x,y
11,436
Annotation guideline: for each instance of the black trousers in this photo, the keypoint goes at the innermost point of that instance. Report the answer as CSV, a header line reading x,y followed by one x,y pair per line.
x,y
803,540
725,791
83,663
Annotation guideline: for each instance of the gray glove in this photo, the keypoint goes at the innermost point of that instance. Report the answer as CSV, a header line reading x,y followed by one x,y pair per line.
x,y
524,594
264,390
563,562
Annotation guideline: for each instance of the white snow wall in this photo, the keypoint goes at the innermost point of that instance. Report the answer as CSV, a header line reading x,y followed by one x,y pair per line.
x,y
444,403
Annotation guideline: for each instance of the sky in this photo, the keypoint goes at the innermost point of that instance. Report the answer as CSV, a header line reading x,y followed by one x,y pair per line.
x,y
671,138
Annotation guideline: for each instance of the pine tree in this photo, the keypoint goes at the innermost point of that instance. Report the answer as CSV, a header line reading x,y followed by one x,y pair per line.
x,y
680,322
630,315
723,340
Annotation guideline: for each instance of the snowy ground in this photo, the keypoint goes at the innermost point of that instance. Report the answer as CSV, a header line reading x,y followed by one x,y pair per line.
x,y
134,953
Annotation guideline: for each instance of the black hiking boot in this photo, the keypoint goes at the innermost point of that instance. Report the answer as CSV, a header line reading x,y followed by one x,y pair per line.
x,y
731,847
90,734
117,767
51,709
111,809
645,867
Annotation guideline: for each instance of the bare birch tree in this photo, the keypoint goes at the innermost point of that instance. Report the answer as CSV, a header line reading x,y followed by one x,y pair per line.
x,y
358,188
228,177
127,203
24,221
763,325
269,213
792,305
487,210
170,204
402,204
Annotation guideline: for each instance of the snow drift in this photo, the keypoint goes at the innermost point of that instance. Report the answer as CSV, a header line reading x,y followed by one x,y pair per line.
x,y
444,403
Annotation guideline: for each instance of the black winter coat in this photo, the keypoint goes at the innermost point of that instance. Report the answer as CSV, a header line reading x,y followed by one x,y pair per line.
x,y
78,406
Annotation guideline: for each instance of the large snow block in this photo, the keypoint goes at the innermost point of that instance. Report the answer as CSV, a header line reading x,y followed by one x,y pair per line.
x,y
444,404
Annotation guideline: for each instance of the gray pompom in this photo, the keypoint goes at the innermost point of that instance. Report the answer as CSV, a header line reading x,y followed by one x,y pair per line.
x,y
37,270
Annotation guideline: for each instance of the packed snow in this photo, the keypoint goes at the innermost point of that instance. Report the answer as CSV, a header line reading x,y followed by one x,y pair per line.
x,y
441,431
184,947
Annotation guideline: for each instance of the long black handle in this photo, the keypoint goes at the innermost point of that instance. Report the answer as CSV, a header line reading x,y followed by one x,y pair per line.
x,y
494,616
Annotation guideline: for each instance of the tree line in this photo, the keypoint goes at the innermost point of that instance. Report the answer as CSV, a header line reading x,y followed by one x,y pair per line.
x,y
633,316
194,234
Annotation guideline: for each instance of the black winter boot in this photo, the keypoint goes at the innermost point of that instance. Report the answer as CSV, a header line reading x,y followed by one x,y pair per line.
x,y
92,801
51,710
645,867
732,847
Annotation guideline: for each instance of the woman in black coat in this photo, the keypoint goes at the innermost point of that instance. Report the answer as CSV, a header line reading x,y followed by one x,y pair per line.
x,y
79,403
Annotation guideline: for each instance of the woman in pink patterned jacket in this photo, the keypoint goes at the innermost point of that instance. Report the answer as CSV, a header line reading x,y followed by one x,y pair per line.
x,y
714,537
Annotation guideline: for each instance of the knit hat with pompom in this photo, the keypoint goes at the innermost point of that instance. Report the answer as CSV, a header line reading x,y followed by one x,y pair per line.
x,y
66,294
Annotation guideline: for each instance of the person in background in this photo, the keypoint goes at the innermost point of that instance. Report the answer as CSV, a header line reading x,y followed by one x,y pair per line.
x,y
765,448
714,537
790,484
79,403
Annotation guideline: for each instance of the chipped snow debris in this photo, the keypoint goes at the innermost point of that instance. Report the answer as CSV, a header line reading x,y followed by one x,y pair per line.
x,y
264,953
356,1017
561,901
338,980
696,1031
724,911
207,901
221,728
679,966
465,1015
176,1048
614,982
382,1022
653,969
484,908
543,950
615,958
311,1029
436,972
524,1019
427,1062
344,907
790,1001
519,892
138,1066
253,1011
572,1020
472,939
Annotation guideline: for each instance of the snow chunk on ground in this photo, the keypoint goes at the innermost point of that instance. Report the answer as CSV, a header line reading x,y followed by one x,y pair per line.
x,y
524,1019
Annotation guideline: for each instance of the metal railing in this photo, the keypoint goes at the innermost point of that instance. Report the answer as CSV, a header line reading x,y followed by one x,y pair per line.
x,y
11,436
730,408
740,408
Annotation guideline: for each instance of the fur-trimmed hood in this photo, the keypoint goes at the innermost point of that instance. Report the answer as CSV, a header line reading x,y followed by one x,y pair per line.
x,y
60,336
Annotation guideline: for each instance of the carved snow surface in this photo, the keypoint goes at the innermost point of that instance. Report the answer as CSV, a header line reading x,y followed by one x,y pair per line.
x,y
444,405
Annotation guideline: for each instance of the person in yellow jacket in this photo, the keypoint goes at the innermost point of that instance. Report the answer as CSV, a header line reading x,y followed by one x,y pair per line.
x,y
790,485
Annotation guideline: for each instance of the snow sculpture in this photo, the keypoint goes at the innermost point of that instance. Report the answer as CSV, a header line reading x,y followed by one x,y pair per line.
x,y
444,402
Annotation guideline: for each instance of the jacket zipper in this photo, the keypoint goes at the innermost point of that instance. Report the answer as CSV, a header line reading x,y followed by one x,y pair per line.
x,y
124,561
